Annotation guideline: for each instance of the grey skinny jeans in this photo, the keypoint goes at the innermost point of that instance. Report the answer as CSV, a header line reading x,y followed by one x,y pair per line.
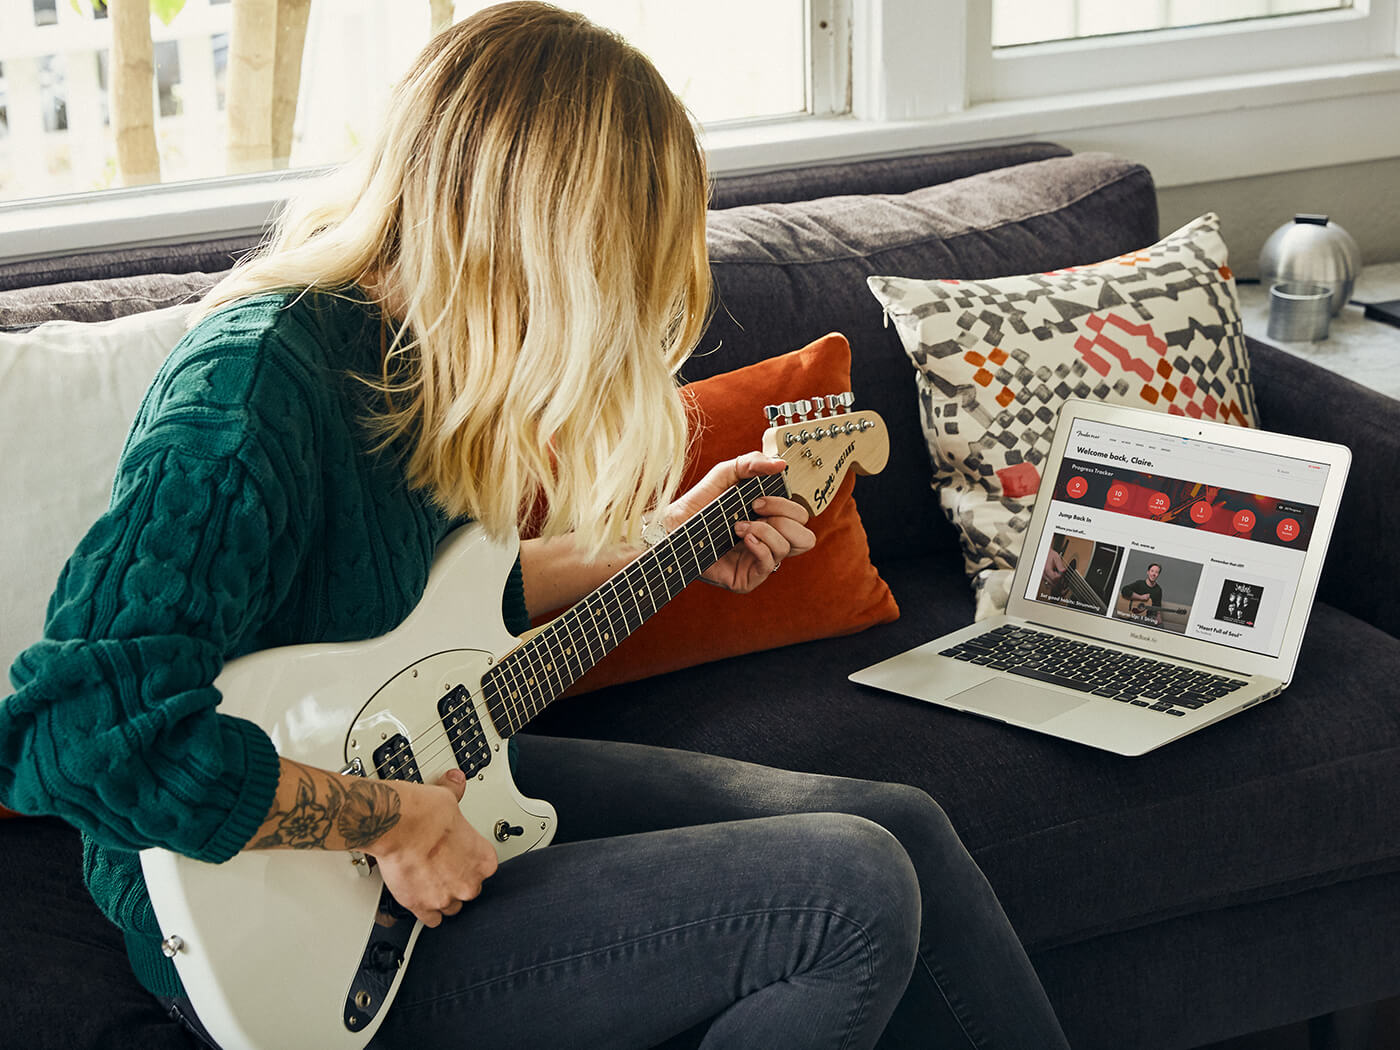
x,y
781,910
793,910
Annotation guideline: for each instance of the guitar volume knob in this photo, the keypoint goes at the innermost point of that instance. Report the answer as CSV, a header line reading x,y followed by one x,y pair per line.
x,y
385,957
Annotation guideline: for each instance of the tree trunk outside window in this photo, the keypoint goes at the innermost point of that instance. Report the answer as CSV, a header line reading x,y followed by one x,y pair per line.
x,y
133,107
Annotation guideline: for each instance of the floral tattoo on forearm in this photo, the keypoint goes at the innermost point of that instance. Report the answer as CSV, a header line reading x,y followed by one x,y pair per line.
x,y
359,810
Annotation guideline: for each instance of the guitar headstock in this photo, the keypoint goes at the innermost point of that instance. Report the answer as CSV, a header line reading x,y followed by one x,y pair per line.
x,y
821,439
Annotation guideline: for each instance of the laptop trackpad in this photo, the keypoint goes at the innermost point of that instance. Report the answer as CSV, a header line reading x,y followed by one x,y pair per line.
x,y
1016,701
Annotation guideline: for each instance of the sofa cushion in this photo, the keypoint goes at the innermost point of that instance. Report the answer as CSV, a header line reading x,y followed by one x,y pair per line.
x,y
1077,842
875,174
788,273
995,360
68,393
708,623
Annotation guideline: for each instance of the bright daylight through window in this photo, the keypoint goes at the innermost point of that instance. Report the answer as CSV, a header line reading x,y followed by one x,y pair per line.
x,y
98,95
1039,21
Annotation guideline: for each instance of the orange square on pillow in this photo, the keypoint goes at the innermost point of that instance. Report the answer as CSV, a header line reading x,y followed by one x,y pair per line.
x,y
705,623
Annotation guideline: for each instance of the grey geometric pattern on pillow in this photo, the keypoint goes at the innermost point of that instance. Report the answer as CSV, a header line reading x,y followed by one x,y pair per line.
x,y
995,360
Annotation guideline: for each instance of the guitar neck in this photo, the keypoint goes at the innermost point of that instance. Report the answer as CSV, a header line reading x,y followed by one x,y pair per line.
x,y
534,674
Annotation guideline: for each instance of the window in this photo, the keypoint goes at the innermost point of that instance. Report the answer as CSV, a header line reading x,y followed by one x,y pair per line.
x,y
45,12
53,93
219,45
1039,21
1248,87
1025,49
103,58
167,62
354,51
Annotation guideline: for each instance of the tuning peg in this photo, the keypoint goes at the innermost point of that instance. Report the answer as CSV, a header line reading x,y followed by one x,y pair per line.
x,y
773,413
789,411
804,408
818,406
833,404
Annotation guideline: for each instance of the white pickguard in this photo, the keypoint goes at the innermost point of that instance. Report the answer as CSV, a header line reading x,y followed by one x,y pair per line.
x,y
272,939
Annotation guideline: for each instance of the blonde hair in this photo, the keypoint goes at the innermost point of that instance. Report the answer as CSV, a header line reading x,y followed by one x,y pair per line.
x,y
532,217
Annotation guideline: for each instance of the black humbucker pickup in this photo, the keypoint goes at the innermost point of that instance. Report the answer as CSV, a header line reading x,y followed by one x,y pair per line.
x,y
464,731
394,760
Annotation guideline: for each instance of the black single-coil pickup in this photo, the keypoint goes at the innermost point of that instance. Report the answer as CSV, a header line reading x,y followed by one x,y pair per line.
x,y
394,760
464,731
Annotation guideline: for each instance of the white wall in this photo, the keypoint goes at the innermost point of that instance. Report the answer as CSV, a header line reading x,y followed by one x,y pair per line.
x,y
1364,199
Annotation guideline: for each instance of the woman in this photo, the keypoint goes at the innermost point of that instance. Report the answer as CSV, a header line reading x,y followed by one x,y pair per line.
x,y
486,316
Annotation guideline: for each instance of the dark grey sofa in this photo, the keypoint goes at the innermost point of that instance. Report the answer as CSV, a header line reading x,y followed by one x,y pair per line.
x,y
1243,878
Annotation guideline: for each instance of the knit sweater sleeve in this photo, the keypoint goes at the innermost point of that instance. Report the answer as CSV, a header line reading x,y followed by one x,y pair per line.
x,y
114,725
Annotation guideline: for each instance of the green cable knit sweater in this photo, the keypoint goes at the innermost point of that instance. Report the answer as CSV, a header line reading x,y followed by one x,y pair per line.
x,y
247,512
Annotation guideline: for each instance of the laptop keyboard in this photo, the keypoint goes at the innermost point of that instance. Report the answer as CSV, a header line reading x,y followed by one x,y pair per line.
x,y
1141,681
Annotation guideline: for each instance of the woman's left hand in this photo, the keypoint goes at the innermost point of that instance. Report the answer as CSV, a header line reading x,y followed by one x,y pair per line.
x,y
779,532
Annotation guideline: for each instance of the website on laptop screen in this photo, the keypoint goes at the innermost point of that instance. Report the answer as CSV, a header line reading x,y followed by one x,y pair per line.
x,y
1177,534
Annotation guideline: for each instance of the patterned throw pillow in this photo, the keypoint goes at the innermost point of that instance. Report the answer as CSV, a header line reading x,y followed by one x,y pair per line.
x,y
1157,328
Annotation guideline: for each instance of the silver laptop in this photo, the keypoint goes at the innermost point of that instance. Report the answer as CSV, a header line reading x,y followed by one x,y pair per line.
x,y
1164,583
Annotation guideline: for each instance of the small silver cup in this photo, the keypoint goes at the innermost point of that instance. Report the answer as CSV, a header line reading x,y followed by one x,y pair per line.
x,y
1299,311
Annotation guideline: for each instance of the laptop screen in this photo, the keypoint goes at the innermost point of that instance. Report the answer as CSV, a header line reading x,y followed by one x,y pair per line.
x,y
1177,534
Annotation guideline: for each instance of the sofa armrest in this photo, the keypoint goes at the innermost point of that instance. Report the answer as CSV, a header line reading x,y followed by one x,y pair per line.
x,y
1298,397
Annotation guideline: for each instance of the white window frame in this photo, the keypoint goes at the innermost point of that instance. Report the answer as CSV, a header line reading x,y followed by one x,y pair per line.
x,y
919,83
1280,43
916,81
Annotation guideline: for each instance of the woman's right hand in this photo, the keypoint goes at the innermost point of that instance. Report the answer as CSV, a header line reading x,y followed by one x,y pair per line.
x,y
432,859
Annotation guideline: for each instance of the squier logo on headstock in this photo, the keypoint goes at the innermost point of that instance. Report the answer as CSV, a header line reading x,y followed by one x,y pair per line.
x,y
821,438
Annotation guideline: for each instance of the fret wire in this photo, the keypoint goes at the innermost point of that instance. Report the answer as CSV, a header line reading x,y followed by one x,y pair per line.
x,y
576,664
603,620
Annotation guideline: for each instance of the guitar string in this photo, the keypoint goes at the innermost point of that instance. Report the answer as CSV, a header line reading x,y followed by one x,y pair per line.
x,y
510,710
653,572
528,662
506,710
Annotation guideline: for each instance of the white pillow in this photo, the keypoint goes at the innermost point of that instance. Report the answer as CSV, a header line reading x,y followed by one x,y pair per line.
x,y
68,394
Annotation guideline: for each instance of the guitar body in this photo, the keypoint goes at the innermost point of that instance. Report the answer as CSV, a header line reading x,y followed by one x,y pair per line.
x,y
287,948
305,948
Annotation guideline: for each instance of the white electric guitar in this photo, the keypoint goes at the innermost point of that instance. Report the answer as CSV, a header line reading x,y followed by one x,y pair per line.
x,y
283,948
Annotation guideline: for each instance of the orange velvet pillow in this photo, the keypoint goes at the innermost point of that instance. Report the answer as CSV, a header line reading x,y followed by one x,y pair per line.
x,y
705,623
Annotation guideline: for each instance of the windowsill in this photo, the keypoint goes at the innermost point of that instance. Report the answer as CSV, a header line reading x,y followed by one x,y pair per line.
x,y
1185,133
